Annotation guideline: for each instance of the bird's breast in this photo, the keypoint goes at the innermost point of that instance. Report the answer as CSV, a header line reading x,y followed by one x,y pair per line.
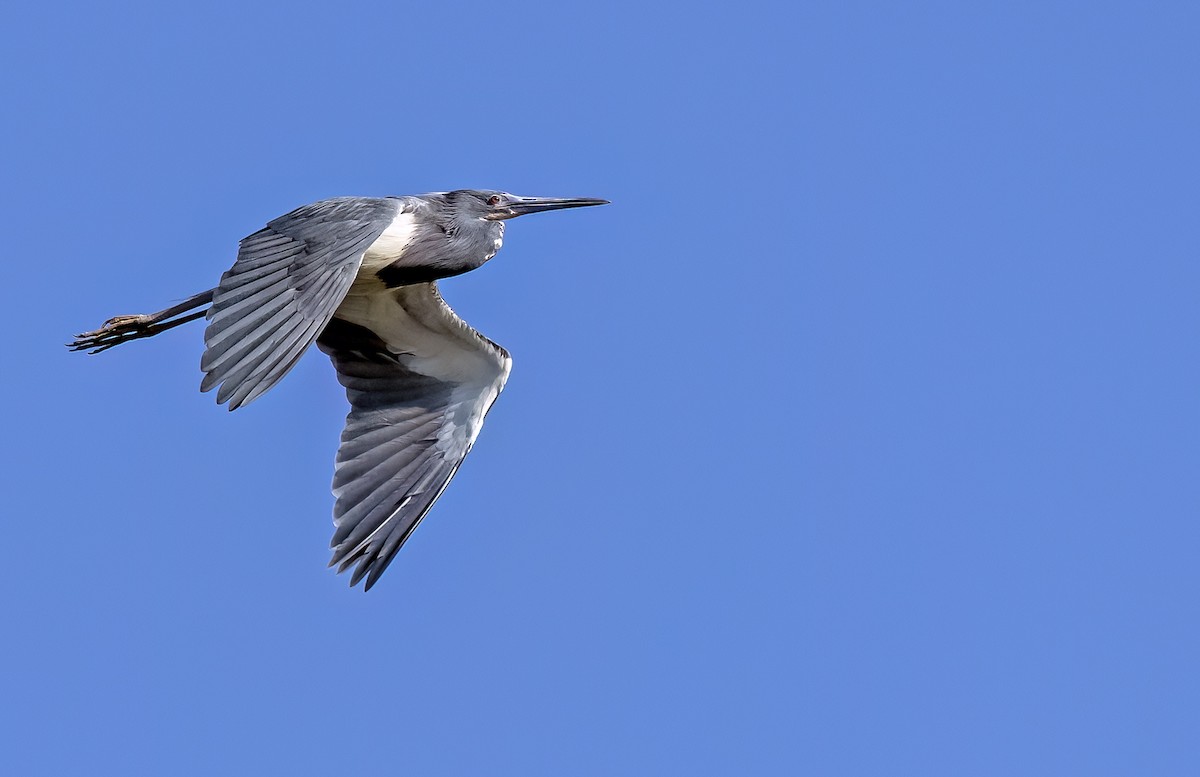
x,y
391,244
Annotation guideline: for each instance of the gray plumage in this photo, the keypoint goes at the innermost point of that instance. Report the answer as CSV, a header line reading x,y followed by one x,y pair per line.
x,y
282,290
357,275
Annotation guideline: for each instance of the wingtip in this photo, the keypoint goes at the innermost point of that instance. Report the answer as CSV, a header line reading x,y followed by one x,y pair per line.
x,y
343,561
230,403
359,572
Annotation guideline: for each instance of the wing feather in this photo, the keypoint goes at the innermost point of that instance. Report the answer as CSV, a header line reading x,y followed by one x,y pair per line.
x,y
251,298
284,287
419,382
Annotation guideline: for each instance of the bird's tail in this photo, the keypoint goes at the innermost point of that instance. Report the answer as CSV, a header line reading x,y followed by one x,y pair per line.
x,y
122,329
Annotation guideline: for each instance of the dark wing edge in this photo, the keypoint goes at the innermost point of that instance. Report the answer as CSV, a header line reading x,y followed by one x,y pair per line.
x,y
407,432
284,287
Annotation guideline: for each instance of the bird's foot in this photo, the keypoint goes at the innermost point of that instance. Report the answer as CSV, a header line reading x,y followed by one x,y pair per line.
x,y
115,331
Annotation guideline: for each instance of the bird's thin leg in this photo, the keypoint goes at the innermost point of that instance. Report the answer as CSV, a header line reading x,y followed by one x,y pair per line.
x,y
122,329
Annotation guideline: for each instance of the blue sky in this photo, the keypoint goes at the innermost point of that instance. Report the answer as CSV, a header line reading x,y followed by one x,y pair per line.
x,y
858,436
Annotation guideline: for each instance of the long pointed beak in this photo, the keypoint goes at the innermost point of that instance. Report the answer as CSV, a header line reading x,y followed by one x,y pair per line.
x,y
522,205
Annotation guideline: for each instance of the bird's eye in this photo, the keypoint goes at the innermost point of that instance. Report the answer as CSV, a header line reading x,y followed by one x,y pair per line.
x,y
494,200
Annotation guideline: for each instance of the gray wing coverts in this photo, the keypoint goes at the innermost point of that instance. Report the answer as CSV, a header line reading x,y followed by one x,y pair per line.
x,y
404,439
282,290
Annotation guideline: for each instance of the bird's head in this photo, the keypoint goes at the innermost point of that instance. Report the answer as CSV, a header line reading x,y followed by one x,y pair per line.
x,y
499,206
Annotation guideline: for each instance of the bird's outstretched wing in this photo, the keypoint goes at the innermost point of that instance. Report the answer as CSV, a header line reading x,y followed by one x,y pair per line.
x,y
419,381
287,281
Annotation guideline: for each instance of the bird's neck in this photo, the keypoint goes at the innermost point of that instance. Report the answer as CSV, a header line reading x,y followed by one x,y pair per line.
x,y
444,249
471,241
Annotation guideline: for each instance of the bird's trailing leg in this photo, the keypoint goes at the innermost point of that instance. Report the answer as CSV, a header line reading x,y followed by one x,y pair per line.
x,y
122,329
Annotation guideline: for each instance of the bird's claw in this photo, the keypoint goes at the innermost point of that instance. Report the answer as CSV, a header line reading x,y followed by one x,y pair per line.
x,y
115,331
117,322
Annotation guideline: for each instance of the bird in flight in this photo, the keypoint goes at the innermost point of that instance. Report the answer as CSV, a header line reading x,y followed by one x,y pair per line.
x,y
358,276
